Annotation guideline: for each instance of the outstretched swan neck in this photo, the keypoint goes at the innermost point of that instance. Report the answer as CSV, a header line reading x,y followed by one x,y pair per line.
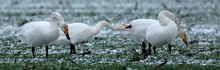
x,y
101,24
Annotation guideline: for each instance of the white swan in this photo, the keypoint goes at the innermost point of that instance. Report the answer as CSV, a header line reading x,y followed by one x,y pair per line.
x,y
80,32
165,32
138,29
42,32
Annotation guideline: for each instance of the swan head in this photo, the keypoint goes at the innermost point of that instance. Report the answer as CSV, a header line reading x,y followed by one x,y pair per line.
x,y
64,28
126,26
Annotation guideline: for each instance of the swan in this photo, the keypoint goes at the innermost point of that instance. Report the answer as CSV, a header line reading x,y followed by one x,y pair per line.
x,y
42,32
136,30
80,32
165,32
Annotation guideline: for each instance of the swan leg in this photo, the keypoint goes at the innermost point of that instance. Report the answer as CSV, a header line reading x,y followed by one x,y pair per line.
x,y
154,49
143,47
33,49
46,47
169,48
72,49
149,49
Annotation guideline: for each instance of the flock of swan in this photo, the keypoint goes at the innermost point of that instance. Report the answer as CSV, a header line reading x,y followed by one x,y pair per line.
x,y
155,32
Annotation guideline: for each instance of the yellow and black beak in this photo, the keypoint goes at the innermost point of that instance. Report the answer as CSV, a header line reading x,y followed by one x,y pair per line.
x,y
65,30
185,39
127,26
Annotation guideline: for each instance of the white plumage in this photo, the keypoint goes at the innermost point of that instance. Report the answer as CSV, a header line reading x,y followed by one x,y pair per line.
x,y
165,32
41,32
139,27
137,32
80,32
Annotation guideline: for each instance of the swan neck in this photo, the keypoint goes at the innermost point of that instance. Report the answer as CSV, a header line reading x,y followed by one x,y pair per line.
x,y
113,28
56,17
106,24
98,27
178,24
180,29
163,20
55,20
165,17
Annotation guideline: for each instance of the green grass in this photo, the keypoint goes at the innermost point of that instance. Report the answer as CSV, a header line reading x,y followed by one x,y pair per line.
x,y
105,57
51,65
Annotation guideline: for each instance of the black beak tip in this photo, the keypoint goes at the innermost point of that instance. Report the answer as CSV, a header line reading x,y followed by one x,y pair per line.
x,y
129,26
67,36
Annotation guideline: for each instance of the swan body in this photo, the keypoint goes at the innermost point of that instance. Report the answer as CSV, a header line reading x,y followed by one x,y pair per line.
x,y
159,35
165,32
137,31
41,32
80,32
139,28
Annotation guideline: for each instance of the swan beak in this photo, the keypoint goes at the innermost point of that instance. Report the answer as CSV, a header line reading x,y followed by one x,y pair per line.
x,y
185,39
127,26
66,33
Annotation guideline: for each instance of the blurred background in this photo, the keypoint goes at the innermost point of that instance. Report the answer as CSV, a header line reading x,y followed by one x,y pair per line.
x,y
199,18
14,11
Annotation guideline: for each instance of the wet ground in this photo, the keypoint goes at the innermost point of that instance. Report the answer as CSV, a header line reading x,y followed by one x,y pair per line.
x,y
199,18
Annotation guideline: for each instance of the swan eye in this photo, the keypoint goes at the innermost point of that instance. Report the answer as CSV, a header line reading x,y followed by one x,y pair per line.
x,y
127,26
